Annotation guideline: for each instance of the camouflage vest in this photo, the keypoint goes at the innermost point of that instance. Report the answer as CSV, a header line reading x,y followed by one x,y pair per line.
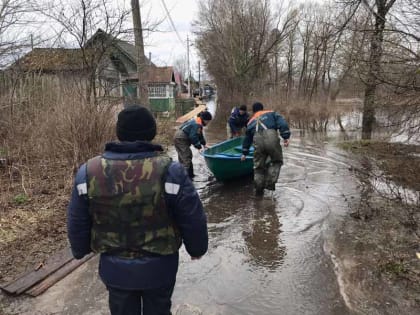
x,y
127,205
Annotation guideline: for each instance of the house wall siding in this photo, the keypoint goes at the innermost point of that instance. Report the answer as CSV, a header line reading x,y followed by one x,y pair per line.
x,y
160,104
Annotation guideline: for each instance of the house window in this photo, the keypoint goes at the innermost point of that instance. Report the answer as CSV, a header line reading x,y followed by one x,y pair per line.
x,y
157,91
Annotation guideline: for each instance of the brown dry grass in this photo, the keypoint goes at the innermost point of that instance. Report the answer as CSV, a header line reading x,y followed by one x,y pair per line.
x,y
44,142
299,112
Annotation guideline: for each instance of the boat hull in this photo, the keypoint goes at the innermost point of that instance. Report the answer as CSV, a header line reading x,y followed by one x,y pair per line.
x,y
224,160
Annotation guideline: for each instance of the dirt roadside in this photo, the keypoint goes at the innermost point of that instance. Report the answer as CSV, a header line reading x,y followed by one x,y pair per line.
x,y
33,224
375,249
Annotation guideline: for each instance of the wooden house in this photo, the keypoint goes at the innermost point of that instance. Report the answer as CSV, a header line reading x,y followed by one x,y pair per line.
x,y
105,67
161,86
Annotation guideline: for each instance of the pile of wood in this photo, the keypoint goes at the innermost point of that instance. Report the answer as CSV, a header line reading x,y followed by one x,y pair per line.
x,y
37,280
191,114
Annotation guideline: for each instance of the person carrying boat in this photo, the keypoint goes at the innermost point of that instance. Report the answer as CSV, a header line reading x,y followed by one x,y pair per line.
x,y
237,121
135,206
191,133
262,131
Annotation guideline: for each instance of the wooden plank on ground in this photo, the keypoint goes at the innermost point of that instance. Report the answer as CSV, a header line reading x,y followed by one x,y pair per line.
x,y
191,114
198,101
38,273
53,278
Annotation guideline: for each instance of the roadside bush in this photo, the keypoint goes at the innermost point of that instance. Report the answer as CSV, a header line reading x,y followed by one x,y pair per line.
x,y
48,132
20,199
77,131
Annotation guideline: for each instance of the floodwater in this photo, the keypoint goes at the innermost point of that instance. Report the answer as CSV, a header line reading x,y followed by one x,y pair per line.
x,y
266,255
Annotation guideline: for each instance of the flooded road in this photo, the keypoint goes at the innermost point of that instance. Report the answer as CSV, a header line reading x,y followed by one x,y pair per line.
x,y
266,255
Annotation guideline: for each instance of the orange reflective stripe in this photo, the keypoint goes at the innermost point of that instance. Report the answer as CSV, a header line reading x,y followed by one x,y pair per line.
x,y
258,114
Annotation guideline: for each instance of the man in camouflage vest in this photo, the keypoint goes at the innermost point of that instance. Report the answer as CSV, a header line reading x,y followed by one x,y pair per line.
x,y
135,207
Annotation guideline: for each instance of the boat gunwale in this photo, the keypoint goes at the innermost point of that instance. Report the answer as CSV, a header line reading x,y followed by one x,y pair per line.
x,y
217,156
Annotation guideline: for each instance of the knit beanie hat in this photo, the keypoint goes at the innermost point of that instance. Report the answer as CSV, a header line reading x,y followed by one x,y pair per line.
x,y
257,106
136,123
205,115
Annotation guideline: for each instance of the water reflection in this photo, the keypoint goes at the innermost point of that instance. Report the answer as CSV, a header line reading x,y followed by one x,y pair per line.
x,y
266,255
232,205
225,200
263,238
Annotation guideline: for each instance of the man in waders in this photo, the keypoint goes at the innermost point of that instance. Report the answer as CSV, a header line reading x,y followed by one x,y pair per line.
x,y
262,131
191,133
135,207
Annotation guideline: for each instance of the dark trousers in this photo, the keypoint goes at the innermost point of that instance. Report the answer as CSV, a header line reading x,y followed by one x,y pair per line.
x,y
129,302
185,155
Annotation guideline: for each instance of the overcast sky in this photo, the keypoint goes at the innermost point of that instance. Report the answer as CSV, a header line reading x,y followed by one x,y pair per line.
x,y
165,45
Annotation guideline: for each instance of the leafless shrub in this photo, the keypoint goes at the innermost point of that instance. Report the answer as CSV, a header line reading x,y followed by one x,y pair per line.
x,y
78,130
389,171
53,129
300,113
49,132
166,128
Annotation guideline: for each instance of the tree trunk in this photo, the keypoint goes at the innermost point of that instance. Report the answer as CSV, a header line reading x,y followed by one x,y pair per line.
x,y
141,59
290,59
374,67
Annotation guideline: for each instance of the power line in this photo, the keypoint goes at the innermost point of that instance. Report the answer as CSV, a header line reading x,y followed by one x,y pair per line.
x,y
172,23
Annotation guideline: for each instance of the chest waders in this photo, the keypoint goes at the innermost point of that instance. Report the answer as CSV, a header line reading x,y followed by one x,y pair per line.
x,y
268,157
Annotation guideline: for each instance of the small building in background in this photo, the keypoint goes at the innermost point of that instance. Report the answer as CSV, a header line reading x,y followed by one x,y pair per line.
x,y
105,68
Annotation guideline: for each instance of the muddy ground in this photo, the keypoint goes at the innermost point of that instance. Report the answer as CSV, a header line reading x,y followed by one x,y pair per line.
x,y
33,224
374,250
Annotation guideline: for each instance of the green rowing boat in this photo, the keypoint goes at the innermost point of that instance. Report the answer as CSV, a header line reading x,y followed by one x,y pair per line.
x,y
224,160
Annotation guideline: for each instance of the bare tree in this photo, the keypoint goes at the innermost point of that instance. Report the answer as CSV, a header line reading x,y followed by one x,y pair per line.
x,y
306,31
320,29
236,40
349,47
12,26
386,59
81,19
379,10
291,57
15,38
180,65
317,50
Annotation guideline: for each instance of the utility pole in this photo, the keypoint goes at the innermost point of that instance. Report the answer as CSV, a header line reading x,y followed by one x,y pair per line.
x,y
199,79
188,65
143,92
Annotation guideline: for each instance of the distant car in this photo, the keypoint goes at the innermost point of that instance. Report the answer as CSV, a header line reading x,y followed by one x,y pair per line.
x,y
208,90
